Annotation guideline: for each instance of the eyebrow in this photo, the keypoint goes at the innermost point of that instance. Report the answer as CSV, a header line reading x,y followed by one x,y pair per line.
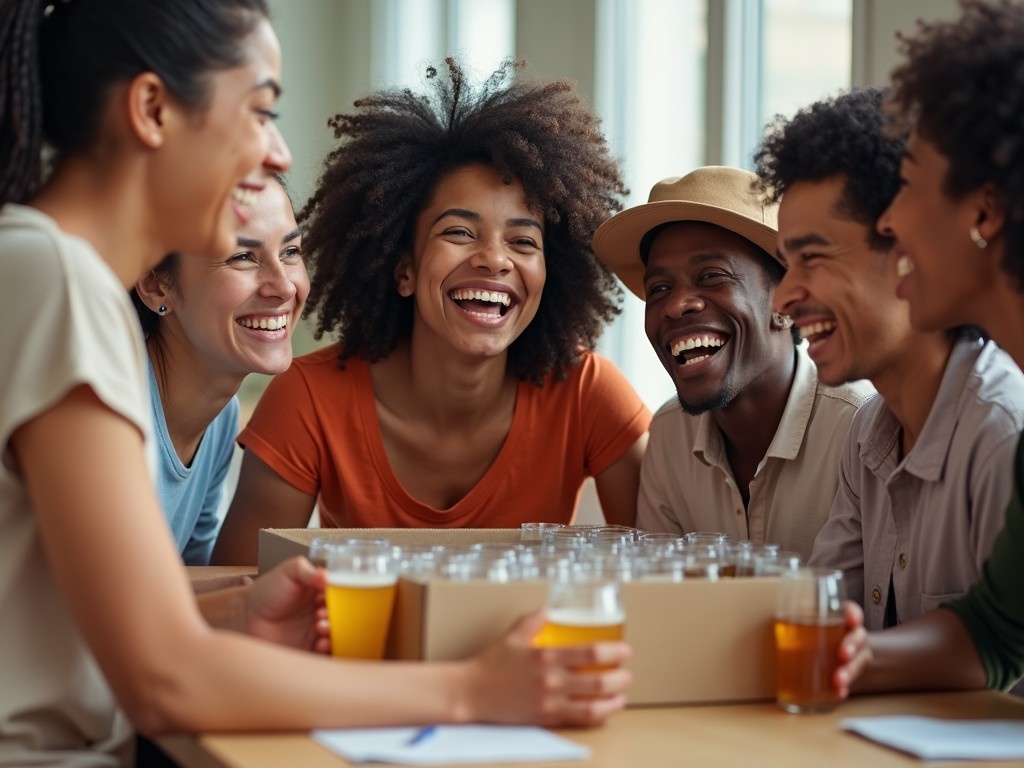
x,y
697,258
248,242
270,83
474,216
796,243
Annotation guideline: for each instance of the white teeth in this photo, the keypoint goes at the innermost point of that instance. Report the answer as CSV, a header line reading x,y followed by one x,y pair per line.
x,y
472,294
693,360
904,266
265,323
693,342
246,197
815,328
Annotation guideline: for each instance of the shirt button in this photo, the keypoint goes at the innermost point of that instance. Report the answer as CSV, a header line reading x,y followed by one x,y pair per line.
x,y
903,560
876,595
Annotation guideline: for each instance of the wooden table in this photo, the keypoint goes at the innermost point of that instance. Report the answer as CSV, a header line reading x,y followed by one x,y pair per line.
x,y
755,735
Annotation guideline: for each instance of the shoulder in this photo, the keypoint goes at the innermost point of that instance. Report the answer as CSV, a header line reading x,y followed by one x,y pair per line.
x,y
996,384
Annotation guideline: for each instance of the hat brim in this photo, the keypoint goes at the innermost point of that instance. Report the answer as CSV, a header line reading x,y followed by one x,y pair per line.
x,y
617,240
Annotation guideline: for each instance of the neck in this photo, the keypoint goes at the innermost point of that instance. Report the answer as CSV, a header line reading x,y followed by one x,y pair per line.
x,y
749,423
103,206
910,383
191,396
448,392
1002,317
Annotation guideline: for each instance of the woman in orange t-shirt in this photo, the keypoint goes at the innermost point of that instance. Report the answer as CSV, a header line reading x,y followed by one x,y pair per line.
x,y
449,250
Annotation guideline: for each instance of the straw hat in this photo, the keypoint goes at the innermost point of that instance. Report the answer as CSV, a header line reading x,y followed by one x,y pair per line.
x,y
715,194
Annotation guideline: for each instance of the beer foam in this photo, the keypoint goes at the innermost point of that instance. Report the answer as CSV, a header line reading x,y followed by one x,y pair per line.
x,y
362,580
584,617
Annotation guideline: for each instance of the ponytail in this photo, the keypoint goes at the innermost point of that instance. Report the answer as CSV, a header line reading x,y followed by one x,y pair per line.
x,y
21,100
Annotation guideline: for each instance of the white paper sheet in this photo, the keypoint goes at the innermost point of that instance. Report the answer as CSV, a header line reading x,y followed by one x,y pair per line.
x,y
934,739
450,744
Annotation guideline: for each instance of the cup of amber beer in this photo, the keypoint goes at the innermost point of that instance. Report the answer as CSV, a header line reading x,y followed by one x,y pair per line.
x,y
361,579
808,629
581,610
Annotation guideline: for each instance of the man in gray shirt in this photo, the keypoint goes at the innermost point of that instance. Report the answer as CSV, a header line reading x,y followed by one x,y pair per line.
x,y
925,472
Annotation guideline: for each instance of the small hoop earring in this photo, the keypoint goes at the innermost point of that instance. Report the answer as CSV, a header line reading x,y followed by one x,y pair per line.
x,y
977,239
163,309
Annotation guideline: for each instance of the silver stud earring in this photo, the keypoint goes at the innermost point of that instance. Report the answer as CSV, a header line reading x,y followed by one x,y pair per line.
x,y
977,239
163,309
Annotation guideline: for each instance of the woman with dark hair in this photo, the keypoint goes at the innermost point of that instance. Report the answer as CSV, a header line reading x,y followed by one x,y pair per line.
x,y
158,118
449,250
958,221
208,323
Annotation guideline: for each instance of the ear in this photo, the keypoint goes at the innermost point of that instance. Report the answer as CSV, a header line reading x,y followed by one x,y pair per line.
x,y
148,102
405,277
991,213
153,291
781,322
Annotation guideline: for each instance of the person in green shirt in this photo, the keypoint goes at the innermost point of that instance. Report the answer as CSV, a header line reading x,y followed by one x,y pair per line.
x,y
958,221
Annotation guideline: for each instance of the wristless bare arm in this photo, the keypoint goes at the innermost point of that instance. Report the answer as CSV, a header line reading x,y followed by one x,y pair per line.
x,y
263,499
932,652
117,567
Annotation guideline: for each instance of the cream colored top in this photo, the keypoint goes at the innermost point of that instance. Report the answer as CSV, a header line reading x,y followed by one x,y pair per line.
x,y
686,483
67,321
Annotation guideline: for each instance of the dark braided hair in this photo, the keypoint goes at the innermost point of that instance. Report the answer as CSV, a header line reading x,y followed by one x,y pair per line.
x,y
961,87
396,148
59,58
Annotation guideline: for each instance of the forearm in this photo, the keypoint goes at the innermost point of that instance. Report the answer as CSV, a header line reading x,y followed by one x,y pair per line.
x,y
231,682
931,652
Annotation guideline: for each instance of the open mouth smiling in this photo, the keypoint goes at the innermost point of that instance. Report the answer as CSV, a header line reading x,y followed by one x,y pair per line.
x,y
817,332
483,303
694,348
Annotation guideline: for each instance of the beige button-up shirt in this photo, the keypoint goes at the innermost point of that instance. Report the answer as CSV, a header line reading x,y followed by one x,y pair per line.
x,y
928,521
686,483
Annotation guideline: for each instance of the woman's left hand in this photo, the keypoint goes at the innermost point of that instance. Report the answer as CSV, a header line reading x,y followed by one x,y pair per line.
x,y
286,607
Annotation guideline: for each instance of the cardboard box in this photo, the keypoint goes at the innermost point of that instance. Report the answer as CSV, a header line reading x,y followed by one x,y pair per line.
x,y
693,642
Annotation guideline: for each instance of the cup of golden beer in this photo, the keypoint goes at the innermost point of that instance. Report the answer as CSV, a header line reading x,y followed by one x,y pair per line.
x,y
582,610
808,629
360,594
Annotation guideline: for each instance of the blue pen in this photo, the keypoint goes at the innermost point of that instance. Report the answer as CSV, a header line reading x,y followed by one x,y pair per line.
x,y
421,735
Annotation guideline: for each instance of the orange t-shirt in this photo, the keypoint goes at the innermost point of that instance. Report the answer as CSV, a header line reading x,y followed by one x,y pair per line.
x,y
317,427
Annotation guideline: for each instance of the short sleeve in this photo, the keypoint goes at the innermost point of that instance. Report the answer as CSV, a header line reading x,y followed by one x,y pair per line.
x,y
614,416
69,322
285,432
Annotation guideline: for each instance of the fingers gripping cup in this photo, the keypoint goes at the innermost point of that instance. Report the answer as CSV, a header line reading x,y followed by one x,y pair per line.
x,y
582,611
361,582
808,629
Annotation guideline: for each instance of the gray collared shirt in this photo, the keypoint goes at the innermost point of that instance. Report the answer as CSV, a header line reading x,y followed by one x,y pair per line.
x,y
686,483
928,521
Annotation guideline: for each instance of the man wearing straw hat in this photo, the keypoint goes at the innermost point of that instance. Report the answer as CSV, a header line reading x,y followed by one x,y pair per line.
x,y
751,445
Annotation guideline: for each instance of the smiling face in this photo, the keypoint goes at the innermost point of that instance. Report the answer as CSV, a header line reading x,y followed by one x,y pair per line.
x,y
708,314
476,271
236,313
212,164
839,291
944,276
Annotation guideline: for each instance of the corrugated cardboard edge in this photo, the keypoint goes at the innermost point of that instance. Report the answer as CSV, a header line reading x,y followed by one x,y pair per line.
x,y
278,544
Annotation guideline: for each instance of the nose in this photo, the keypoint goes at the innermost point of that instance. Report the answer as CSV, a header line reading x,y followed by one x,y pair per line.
x,y
788,292
277,280
490,254
278,158
682,301
884,225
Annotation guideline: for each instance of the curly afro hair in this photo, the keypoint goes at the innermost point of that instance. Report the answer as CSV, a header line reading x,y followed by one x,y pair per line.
x,y
961,87
842,136
395,149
